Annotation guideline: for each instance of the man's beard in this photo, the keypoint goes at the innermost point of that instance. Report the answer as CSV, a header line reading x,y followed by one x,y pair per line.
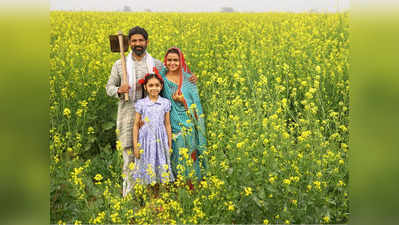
x,y
138,50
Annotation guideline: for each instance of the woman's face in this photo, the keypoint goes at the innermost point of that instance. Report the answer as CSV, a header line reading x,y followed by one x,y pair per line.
x,y
172,62
153,87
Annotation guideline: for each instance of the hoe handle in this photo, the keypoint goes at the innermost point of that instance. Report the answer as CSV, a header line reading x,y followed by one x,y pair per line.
x,y
123,60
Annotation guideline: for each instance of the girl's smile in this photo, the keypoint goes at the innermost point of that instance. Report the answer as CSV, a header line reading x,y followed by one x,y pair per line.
x,y
153,87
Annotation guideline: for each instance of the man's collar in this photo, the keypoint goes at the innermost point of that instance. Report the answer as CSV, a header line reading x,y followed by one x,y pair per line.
x,y
134,58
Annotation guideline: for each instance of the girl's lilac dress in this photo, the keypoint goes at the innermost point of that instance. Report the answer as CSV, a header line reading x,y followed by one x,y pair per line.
x,y
154,163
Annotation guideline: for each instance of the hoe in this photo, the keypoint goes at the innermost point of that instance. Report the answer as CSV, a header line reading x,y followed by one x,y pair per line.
x,y
120,43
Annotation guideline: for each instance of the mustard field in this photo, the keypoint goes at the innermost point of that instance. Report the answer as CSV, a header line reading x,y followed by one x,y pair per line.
x,y
275,92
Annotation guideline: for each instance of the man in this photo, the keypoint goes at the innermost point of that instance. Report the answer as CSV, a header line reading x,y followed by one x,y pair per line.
x,y
138,63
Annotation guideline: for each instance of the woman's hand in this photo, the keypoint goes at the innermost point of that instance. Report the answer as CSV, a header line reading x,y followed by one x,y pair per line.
x,y
178,97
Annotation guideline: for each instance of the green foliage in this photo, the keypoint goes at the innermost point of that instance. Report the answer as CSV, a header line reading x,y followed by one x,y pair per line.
x,y
275,92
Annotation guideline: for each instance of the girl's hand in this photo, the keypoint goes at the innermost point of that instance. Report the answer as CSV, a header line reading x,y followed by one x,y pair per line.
x,y
141,123
136,153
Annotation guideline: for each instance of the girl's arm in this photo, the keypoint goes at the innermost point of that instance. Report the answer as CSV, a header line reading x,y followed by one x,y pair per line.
x,y
136,125
168,129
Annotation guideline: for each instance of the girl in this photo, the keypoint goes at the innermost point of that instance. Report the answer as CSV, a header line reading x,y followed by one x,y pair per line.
x,y
186,115
152,141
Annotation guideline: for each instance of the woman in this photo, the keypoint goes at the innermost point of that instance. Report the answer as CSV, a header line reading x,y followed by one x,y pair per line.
x,y
186,116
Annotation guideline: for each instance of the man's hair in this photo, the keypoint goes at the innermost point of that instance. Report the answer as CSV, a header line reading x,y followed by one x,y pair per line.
x,y
138,30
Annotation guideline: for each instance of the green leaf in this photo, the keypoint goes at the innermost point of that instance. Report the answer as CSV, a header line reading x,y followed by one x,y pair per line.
x,y
256,200
108,125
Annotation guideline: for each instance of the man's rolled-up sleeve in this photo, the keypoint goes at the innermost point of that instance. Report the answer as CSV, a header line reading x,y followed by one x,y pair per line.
x,y
114,82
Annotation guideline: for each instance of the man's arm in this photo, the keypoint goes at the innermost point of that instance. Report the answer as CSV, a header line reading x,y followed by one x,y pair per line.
x,y
114,82
114,87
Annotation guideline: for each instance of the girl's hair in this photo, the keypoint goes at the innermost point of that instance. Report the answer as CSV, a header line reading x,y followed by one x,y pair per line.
x,y
148,77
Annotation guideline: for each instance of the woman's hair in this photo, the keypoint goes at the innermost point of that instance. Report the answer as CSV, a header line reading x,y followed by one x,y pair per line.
x,y
173,50
148,77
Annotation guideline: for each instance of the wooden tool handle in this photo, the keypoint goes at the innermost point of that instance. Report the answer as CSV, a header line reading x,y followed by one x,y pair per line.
x,y
123,60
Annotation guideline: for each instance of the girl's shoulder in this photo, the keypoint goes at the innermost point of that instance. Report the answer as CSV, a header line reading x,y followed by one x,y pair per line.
x,y
141,102
140,105
164,100
165,104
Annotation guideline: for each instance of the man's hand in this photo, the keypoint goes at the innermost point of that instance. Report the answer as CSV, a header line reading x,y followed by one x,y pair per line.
x,y
124,88
193,79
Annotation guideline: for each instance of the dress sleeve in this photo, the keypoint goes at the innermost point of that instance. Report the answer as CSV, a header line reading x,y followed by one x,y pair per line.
x,y
168,105
139,107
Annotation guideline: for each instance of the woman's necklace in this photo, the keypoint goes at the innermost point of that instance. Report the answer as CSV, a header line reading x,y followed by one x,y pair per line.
x,y
173,78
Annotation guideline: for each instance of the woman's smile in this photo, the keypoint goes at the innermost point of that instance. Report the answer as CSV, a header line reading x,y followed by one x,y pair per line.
x,y
172,62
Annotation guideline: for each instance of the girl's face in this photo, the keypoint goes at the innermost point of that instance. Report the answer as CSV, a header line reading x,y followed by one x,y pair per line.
x,y
153,87
172,62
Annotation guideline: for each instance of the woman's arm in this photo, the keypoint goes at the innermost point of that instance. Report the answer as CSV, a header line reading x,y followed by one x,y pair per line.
x,y
168,129
136,125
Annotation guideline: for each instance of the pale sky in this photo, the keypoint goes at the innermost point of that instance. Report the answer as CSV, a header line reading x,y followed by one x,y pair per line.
x,y
202,5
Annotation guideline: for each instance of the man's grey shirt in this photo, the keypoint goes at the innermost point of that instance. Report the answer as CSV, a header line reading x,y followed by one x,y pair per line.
x,y
126,111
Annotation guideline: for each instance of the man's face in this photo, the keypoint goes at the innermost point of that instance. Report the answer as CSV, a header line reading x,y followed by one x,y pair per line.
x,y
138,44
